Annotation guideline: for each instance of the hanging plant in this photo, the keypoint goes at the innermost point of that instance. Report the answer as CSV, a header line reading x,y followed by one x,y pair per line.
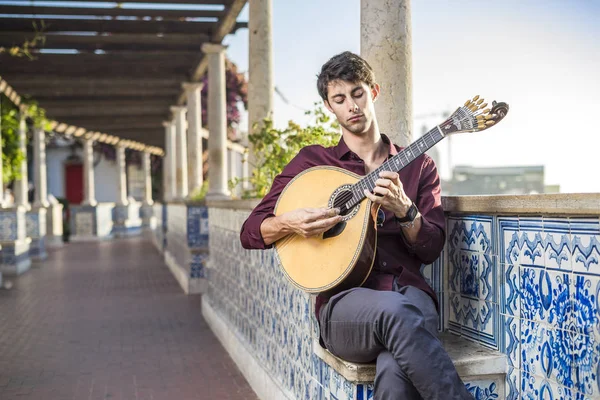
x,y
12,156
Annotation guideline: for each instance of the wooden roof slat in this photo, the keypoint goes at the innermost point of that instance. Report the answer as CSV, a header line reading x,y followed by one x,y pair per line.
x,y
123,41
90,83
71,94
48,59
108,26
191,2
29,9
164,69
140,110
57,100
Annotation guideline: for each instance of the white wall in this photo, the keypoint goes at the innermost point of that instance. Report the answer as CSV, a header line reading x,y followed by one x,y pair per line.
x,y
106,175
55,159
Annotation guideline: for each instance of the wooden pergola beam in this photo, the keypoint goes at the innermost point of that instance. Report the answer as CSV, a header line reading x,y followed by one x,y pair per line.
x,y
223,3
98,69
75,94
123,41
110,26
141,110
29,9
90,83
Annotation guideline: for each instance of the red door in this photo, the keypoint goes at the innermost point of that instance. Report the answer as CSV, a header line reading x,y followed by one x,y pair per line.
x,y
74,183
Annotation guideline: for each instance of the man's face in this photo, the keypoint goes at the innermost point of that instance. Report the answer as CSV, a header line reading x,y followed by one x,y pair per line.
x,y
352,104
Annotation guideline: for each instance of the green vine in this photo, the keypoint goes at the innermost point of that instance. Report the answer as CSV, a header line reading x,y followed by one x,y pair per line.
x,y
275,148
25,50
12,156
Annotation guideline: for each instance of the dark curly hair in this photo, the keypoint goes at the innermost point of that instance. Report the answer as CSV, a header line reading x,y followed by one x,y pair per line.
x,y
345,66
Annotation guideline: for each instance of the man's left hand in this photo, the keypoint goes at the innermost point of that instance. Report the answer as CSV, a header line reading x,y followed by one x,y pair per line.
x,y
389,193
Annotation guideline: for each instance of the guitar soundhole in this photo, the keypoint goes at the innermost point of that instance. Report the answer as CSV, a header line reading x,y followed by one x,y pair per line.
x,y
339,198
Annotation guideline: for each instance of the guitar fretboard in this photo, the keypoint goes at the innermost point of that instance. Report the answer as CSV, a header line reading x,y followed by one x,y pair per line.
x,y
396,164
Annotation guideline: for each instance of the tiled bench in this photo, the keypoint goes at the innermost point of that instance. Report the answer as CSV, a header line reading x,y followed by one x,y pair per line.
x,y
483,370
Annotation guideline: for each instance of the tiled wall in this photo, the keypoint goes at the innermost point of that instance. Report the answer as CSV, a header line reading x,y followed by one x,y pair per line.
x,y
529,287
275,321
187,238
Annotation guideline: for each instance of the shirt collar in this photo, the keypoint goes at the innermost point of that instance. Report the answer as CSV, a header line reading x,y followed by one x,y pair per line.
x,y
341,149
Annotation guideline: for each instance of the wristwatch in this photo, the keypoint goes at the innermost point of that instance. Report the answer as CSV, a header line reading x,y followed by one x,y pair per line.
x,y
409,219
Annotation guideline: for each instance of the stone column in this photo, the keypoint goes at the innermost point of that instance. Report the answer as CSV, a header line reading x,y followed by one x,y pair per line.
x,y
260,82
39,168
89,188
147,180
89,184
386,44
122,201
194,123
22,185
181,151
147,210
217,122
170,167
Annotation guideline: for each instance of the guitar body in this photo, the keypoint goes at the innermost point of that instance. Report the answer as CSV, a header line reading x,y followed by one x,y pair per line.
x,y
325,264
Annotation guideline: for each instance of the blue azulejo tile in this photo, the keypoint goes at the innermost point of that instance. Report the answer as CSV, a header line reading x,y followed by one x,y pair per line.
x,y
585,291
488,286
483,389
512,341
473,233
586,355
8,226
545,296
547,353
585,236
474,319
510,302
364,392
469,274
557,244
513,384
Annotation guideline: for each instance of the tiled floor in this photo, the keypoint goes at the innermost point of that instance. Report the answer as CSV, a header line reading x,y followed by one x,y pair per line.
x,y
108,321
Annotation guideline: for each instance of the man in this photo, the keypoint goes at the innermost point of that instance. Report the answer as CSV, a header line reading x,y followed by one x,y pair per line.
x,y
393,317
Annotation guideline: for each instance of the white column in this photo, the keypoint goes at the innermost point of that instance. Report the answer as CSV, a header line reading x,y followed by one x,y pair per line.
x,y
122,201
39,168
89,188
217,122
181,151
22,185
194,132
147,180
386,44
169,168
260,66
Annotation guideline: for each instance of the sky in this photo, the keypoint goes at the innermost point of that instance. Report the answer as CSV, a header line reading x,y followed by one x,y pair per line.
x,y
542,57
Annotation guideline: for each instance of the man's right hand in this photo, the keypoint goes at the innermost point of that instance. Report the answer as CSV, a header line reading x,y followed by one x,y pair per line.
x,y
306,222
309,222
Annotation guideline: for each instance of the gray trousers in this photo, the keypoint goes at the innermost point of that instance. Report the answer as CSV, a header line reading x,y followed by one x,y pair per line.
x,y
398,329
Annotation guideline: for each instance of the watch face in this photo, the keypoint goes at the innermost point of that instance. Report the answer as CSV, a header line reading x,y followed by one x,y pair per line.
x,y
412,212
380,218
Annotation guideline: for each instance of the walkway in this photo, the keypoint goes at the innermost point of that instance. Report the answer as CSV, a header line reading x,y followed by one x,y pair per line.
x,y
108,321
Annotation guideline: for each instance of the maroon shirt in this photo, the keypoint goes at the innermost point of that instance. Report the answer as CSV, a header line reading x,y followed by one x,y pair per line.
x,y
395,256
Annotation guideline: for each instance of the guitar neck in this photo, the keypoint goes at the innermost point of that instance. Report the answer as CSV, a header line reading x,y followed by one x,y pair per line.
x,y
396,164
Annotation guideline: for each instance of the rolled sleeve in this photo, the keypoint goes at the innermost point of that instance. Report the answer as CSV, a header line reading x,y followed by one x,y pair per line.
x,y
250,235
432,235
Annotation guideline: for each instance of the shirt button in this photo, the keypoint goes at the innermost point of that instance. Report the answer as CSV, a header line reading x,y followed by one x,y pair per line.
x,y
384,263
